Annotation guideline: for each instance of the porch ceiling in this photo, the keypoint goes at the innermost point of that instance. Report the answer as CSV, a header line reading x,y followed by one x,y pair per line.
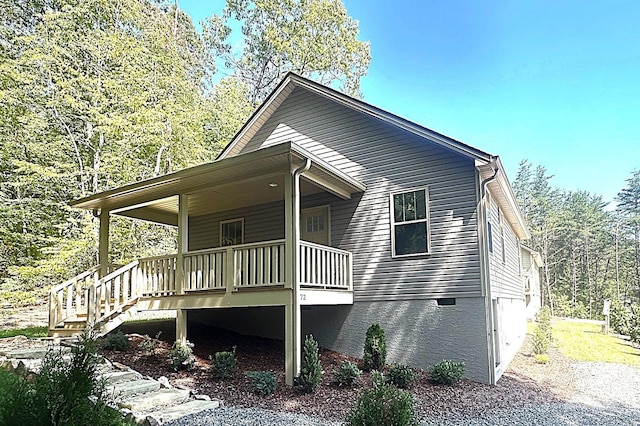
x,y
227,184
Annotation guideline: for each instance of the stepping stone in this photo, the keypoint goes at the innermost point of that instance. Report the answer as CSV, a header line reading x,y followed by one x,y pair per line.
x,y
112,377
126,389
151,401
35,353
178,411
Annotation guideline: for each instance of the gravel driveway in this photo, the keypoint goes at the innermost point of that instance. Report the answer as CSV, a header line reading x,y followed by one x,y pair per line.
x,y
607,394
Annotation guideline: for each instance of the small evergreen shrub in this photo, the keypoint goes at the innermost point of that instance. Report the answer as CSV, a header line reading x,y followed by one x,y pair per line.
x,y
401,375
375,348
542,359
115,342
310,370
383,405
447,372
148,344
541,338
264,382
347,374
223,364
181,356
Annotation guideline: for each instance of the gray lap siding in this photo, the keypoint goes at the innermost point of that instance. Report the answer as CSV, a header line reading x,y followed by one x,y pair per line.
x,y
387,159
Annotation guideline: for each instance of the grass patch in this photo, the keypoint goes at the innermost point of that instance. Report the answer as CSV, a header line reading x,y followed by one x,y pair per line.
x,y
585,342
29,332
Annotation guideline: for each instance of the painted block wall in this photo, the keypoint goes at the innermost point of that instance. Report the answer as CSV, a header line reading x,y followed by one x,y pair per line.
x,y
419,332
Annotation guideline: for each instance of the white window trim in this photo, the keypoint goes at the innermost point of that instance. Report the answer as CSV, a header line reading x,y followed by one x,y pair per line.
x,y
427,220
238,219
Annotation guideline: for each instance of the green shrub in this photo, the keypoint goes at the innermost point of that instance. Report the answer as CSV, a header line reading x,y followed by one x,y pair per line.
x,y
401,375
149,344
347,374
15,400
375,348
65,392
383,405
115,342
223,364
541,338
634,324
540,341
447,372
264,382
619,318
310,370
542,359
181,356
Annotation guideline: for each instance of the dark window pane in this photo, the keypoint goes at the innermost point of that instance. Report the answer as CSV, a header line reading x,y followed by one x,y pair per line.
x,y
411,238
421,205
398,207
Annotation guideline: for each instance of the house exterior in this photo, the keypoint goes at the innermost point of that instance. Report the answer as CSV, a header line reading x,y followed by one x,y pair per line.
x,y
531,264
324,215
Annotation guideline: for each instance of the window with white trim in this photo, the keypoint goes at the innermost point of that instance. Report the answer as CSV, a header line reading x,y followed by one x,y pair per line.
x,y
410,222
232,232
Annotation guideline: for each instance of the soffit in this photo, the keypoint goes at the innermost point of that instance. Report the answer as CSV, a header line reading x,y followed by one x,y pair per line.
x,y
223,185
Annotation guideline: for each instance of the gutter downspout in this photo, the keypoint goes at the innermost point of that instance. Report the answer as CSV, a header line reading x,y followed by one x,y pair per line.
x,y
293,356
486,273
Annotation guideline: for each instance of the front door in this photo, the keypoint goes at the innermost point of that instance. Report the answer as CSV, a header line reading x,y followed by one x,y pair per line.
x,y
314,224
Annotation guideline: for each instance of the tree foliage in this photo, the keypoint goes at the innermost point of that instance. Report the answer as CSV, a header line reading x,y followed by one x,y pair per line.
x,y
314,38
590,252
97,94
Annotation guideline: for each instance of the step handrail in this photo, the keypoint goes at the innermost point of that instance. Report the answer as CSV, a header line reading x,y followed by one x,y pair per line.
x,y
68,299
111,293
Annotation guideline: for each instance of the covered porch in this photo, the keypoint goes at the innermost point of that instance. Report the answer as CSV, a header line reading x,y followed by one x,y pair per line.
x,y
264,265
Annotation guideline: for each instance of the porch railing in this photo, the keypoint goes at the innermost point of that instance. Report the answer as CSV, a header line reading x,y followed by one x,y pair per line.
x,y
324,267
158,275
234,267
226,268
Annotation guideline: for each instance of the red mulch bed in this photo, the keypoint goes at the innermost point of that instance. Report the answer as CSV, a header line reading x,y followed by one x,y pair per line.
x,y
525,382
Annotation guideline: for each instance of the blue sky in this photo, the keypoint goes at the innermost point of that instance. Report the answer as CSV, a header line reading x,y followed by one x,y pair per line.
x,y
554,82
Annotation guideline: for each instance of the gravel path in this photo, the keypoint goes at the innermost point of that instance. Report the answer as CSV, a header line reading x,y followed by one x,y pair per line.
x,y
607,394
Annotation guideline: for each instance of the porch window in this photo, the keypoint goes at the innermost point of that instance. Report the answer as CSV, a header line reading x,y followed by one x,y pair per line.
x,y
410,223
232,232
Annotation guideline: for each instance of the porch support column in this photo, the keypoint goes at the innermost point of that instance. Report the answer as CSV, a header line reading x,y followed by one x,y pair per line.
x,y
103,244
183,240
181,325
293,347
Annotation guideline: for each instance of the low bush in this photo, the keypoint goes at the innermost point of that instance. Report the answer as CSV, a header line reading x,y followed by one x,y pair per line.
x,y
542,359
375,348
264,382
148,345
310,370
447,372
383,405
15,399
223,364
181,356
541,338
620,318
347,374
115,342
66,392
401,376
